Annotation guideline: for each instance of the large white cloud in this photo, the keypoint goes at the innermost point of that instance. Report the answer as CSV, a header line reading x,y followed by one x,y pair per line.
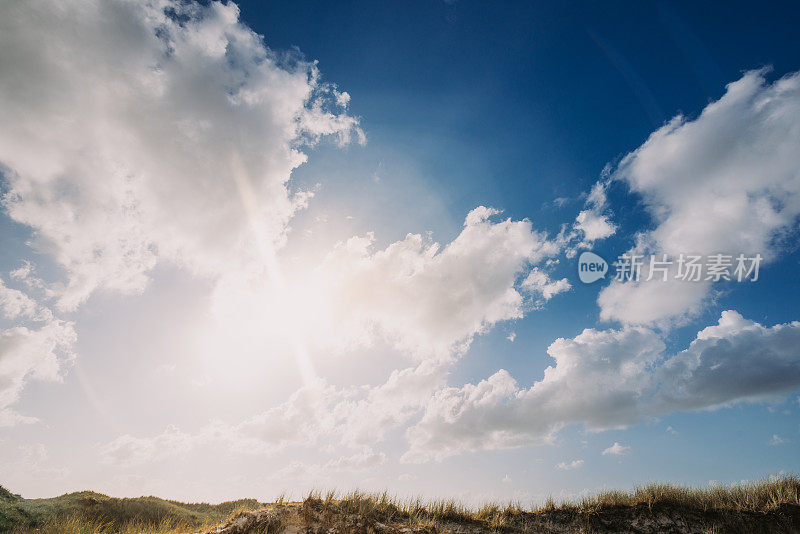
x,y
734,359
138,131
597,379
725,182
425,299
612,378
429,301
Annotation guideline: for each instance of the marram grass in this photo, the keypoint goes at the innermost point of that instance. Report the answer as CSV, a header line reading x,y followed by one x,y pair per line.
x,y
762,496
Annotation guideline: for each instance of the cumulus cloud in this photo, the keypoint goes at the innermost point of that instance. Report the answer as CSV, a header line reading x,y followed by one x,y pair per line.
x,y
539,283
36,353
616,450
39,347
428,300
352,416
734,359
725,182
432,300
610,379
597,379
183,155
14,304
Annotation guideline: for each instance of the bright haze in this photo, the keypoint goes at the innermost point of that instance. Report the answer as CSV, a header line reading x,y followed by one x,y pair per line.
x,y
262,248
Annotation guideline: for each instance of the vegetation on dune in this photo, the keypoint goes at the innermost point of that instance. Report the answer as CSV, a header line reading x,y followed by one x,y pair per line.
x,y
88,512
767,495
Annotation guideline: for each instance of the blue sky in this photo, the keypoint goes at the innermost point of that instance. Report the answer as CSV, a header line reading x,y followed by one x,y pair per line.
x,y
217,251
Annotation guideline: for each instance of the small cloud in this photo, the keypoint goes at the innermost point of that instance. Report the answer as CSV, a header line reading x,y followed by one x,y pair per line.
x,y
574,464
617,450
560,201
342,99
777,440
512,336
539,283
672,431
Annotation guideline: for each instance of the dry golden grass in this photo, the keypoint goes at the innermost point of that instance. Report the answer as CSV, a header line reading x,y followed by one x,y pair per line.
x,y
83,525
333,509
762,496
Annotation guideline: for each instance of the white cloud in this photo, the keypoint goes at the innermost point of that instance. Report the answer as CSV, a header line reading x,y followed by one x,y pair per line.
x,y
31,354
183,155
568,466
432,300
726,182
593,223
596,380
425,299
15,304
610,379
539,283
594,226
778,440
354,416
732,360
616,450
428,300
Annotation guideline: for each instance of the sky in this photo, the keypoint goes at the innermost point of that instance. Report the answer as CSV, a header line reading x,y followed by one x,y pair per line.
x,y
260,248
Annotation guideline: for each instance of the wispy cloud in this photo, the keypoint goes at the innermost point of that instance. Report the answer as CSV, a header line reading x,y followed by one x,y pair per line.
x,y
616,450
568,466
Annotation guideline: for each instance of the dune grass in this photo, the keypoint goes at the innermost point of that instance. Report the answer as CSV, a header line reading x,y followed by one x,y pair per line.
x,y
761,496
87,512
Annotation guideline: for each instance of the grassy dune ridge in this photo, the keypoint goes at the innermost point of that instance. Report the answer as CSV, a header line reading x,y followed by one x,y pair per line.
x,y
89,512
